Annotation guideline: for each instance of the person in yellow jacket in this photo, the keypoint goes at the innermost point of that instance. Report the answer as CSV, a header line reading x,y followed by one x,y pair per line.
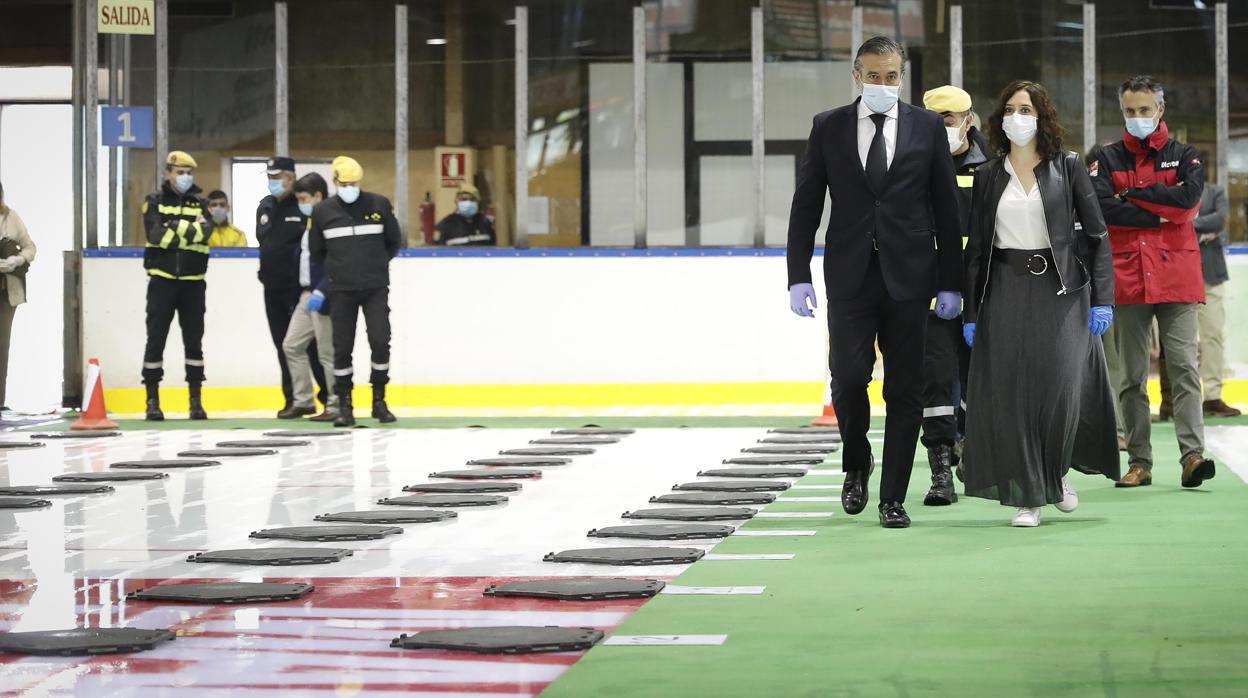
x,y
176,260
224,232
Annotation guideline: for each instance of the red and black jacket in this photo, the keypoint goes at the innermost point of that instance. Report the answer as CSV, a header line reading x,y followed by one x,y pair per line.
x,y
1138,183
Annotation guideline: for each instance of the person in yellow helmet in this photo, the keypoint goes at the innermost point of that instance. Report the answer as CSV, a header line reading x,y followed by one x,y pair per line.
x,y
176,260
468,225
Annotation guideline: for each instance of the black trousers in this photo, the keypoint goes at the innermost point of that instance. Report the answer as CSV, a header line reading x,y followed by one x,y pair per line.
x,y
854,326
279,306
945,361
165,297
344,312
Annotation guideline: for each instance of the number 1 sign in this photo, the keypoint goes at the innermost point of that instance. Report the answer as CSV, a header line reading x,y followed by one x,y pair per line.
x,y
126,127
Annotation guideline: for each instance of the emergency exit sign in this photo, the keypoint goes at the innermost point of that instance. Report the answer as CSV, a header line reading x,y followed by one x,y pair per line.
x,y
127,17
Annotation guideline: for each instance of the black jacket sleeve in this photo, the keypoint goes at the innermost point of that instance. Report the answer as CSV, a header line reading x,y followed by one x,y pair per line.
x,y
944,188
316,235
976,247
159,232
390,229
1116,212
1100,258
807,208
1214,221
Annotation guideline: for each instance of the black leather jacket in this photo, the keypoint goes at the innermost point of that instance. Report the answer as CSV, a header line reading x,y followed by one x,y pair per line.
x,y
1080,252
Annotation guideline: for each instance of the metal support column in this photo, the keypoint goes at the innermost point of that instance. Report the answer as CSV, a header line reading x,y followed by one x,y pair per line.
x,y
1089,76
162,89
757,140
522,126
1223,100
639,127
114,78
124,158
80,10
955,45
401,98
91,126
281,79
855,40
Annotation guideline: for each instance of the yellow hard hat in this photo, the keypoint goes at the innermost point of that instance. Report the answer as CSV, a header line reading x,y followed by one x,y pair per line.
x,y
346,169
178,158
467,188
947,98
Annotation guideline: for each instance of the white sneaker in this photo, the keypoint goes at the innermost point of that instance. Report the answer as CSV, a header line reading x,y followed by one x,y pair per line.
x,y
1026,517
1070,498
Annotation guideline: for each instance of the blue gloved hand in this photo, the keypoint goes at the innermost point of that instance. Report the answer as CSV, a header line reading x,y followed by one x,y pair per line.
x,y
1099,320
948,305
968,333
798,295
316,301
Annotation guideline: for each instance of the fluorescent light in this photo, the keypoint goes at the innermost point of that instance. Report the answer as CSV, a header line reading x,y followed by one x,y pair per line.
x,y
436,42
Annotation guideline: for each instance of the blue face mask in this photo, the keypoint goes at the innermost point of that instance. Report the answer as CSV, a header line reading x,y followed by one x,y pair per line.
x,y
348,193
468,208
184,182
306,209
276,187
1141,126
880,98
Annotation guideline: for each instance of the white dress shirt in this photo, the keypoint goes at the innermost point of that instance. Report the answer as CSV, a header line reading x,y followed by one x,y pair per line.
x,y
305,262
866,132
1020,216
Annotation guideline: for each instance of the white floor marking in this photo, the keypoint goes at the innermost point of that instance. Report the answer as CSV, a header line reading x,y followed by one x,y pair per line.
x,y
794,514
717,557
773,534
815,487
1229,447
811,500
712,591
656,640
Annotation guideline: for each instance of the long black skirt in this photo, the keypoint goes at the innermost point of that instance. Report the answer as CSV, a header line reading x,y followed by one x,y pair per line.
x,y
1038,400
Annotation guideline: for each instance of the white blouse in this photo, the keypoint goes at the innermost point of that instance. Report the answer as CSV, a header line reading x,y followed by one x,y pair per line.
x,y
1020,216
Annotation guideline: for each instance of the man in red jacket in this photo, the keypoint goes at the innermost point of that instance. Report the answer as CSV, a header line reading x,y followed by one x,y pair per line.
x,y
1149,187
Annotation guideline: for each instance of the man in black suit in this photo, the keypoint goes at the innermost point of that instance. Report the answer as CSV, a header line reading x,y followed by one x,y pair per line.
x,y
893,241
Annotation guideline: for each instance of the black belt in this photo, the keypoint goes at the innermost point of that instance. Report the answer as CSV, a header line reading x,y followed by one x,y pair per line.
x,y
1025,262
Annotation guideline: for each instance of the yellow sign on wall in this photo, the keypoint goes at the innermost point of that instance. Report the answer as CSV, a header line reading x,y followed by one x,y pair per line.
x,y
127,17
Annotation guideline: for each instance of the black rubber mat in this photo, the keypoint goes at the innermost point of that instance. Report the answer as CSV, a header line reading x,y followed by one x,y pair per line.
x,y
628,556
753,472
108,477
83,641
231,452
578,589
14,445
486,474
594,431
755,485
502,640
273,556
549,451
390,516
802,439
166,464
304,433
264,443
804,431
23,503
44,436
52,490
464,487
520,461
325,534
222,592
789,449
692,514
775,460
446,500
575,441
729,498
665,531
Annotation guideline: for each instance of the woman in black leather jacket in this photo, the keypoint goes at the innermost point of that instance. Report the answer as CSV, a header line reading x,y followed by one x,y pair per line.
x,y
1039,294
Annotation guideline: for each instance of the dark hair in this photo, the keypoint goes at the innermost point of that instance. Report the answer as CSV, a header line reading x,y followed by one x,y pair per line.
x,y
312,183
1143,83
217,194
880,46
1049,129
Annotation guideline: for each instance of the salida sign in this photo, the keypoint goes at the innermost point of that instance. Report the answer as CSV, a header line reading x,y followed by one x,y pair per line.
x,y
127,17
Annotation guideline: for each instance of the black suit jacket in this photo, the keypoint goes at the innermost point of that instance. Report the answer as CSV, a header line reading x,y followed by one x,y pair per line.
x,y
914,219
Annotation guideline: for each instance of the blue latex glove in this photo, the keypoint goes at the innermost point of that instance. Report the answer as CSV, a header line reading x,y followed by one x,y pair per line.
x,y
316,301
968,333
798,295
1099,320
948,305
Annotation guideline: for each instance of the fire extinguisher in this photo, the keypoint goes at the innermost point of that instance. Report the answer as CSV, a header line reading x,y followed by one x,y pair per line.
x,y
426,219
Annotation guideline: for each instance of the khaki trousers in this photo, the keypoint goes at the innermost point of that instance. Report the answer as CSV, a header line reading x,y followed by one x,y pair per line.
x,y
1212,320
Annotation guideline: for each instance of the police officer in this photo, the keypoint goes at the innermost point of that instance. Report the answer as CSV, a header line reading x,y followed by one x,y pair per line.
x,y
468,225
355,235
946,357
176,260
279,230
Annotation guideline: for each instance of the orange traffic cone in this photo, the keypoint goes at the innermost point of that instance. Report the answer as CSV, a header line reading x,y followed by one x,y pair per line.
x,y
94,415
829,412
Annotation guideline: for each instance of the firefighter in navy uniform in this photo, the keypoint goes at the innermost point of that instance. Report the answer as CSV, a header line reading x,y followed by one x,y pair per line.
x,y
176,260
355,235
946,357
468,225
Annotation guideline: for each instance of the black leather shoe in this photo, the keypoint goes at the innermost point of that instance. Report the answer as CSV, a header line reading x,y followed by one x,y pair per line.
x,y
154,414
940,458
893,515
382,413
854,491
346,414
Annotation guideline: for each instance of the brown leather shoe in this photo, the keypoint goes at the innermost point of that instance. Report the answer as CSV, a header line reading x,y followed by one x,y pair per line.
x,y
295,412
325,416
1136,477
1217,408
1196,469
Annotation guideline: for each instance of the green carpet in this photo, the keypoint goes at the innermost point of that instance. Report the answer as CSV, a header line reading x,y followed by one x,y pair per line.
x,y
1138,593
463,422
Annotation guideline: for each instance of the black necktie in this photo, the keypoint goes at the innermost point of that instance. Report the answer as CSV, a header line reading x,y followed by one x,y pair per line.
x,y
877,157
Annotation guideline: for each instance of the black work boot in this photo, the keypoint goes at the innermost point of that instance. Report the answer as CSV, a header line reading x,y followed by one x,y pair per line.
x,y
197,405
346,411
941,493
154,414
380,412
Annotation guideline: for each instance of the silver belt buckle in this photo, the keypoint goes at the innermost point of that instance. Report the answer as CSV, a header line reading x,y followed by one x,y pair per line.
x,y
1043,260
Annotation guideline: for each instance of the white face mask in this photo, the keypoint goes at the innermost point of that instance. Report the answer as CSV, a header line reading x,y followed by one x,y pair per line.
x,y
954,134
1020,128
880,98
348,193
